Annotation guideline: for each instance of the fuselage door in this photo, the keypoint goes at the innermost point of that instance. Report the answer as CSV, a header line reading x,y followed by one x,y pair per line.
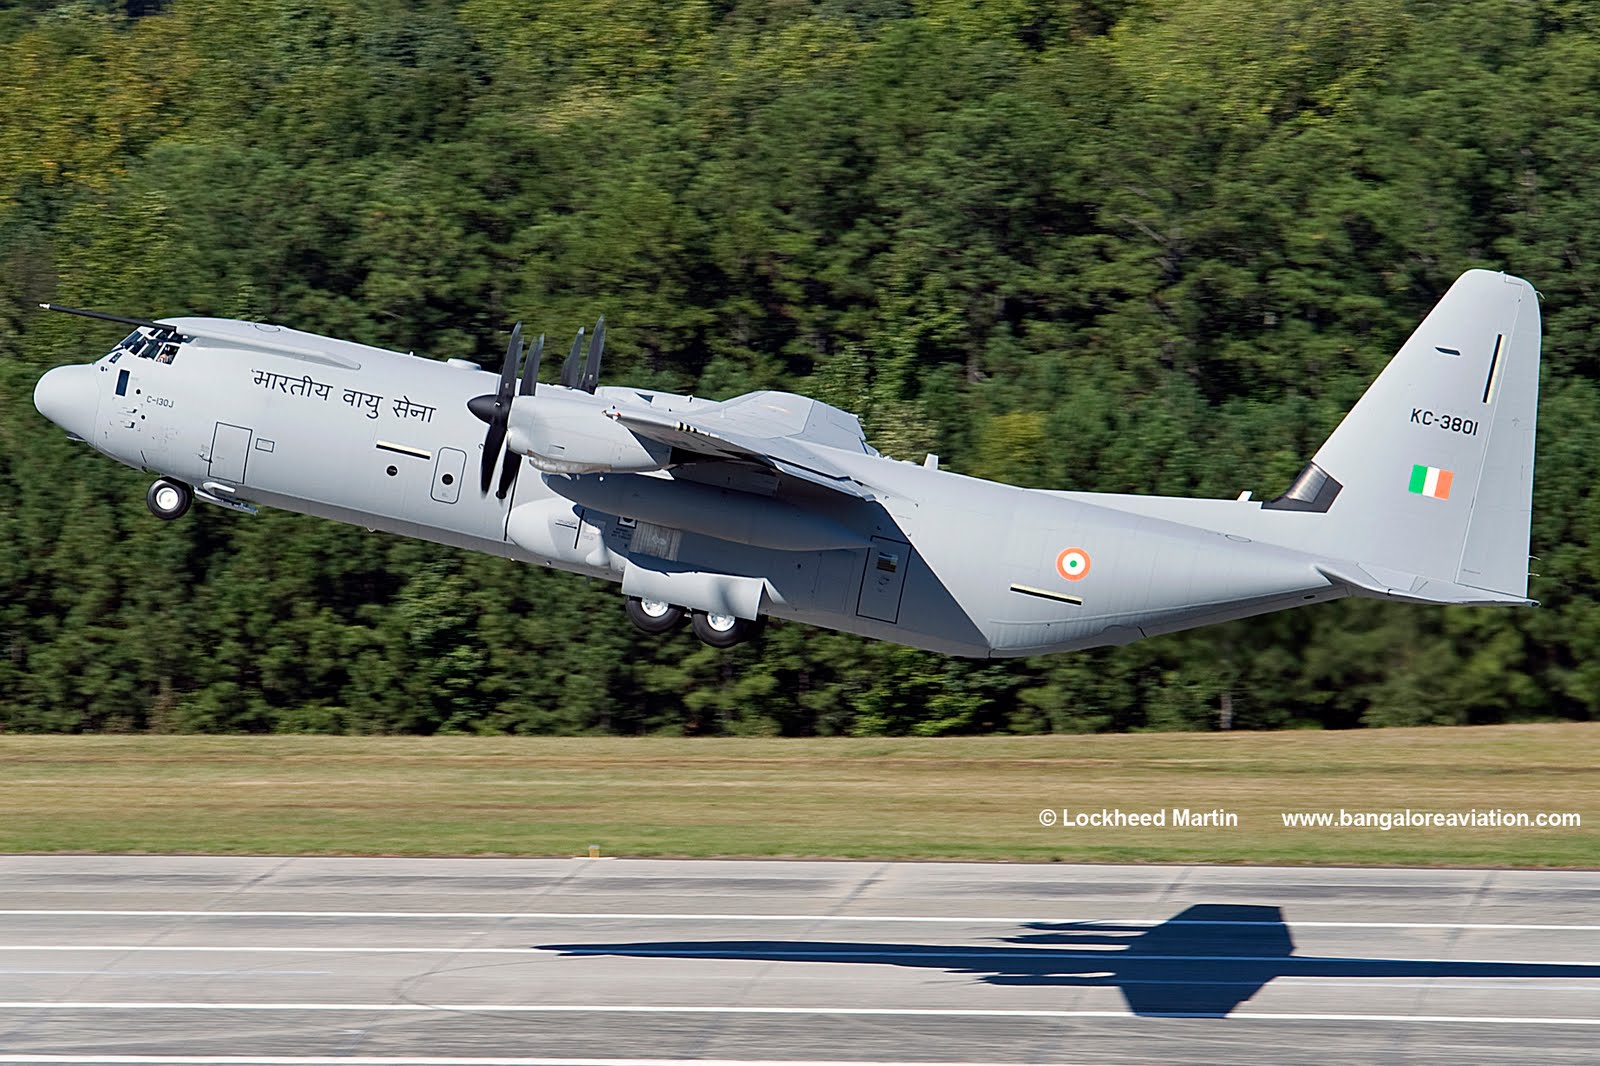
x,y
884,580
447,474
230,450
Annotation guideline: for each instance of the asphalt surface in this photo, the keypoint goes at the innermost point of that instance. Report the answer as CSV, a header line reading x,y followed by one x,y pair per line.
x,y
164,959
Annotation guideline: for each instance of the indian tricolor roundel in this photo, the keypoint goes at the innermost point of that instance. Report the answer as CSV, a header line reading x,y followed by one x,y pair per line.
x,y
1073,564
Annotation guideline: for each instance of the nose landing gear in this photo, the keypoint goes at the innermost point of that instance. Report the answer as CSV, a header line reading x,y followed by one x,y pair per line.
x,y
169,500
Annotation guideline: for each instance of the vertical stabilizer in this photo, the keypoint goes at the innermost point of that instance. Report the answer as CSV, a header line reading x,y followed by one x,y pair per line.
x,y
1431,473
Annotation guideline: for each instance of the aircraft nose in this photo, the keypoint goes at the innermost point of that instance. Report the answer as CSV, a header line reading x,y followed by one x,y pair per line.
x,y
69,397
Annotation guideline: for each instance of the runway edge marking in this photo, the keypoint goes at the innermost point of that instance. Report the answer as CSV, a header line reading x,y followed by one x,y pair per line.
x,y
1110,951
412,1060
631,916
866,1012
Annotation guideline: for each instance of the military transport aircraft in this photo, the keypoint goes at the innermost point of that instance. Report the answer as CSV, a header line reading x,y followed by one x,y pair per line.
x,y
772,504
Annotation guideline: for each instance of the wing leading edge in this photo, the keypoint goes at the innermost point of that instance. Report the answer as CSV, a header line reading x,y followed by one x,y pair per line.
x,y
789,434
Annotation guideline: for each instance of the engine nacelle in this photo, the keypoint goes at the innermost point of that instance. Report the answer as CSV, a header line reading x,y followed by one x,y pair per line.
x,y
566,432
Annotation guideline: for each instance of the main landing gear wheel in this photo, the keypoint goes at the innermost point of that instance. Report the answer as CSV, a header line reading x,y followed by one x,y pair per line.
x,y
169,500
653,616
723,630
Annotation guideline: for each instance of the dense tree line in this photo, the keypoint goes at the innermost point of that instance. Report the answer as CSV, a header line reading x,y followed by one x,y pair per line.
x,y
1120,245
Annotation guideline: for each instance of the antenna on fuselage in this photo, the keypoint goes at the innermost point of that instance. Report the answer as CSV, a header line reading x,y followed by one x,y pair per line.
x,y
104,317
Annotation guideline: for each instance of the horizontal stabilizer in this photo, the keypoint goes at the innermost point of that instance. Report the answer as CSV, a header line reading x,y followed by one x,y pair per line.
x,y
1414,588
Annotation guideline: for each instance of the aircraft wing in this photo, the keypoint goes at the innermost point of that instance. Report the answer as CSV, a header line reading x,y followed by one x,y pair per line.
x,y
790,434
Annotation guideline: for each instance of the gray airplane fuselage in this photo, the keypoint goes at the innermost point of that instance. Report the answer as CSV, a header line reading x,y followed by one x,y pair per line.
x,y
770,503
939,561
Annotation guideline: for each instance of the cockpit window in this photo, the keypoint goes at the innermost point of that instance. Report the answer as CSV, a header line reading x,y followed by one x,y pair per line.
x,y
162,347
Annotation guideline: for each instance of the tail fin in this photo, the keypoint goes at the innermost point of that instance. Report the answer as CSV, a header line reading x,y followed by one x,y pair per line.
x,y
1431,473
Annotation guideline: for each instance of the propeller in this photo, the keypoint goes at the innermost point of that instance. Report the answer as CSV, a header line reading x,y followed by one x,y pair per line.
x,y
495,408
585,375
530,382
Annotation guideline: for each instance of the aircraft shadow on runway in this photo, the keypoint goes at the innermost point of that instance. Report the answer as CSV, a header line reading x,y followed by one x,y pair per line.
x,y
1203,962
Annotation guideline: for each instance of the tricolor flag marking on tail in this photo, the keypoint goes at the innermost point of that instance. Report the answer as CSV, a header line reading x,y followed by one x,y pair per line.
x,y
1431,481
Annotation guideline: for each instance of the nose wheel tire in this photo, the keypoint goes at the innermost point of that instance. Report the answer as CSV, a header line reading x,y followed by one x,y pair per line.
x,y
654,616
723,630
169,500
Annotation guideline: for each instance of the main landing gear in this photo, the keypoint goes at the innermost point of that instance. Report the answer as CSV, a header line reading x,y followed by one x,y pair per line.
x,y
723,630
169,500
654,616
717,630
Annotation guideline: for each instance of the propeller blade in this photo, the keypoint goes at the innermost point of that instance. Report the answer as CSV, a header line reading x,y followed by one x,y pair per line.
x,y
491,451
530,370
508,369
508,473
591,366
569,369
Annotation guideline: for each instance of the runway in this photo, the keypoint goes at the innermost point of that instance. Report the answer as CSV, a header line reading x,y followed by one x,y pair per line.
x,y
171,959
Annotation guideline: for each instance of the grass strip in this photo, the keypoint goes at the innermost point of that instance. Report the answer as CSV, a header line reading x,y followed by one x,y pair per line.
x,y
967,798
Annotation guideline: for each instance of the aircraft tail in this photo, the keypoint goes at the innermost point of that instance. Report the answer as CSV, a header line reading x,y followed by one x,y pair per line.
x,y
1427,484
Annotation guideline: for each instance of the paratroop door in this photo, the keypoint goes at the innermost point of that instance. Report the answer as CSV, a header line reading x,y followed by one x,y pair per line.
x,y
884,580
230,450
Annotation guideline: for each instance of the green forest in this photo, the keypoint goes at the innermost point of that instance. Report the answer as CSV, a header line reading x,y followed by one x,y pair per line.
x,y
1117,245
